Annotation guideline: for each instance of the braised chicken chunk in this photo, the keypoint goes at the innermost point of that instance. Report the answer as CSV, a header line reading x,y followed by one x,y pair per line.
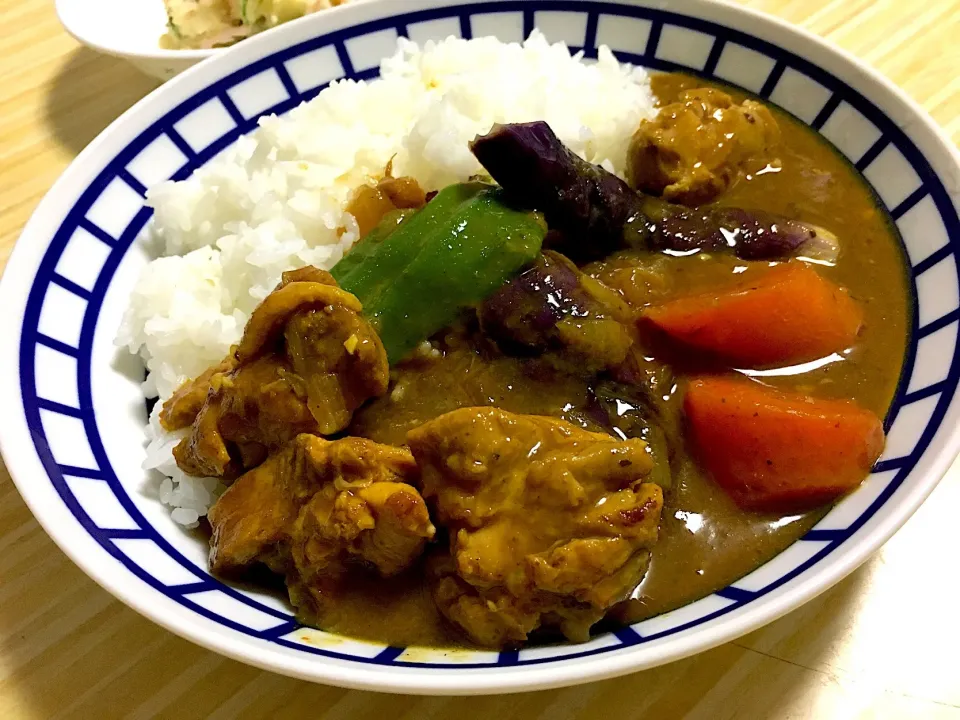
x,y
317,507
549,524
182,408
306,361
256,407
697,147
327,342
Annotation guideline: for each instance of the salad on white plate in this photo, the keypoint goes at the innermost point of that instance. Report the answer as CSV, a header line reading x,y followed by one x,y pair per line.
x,y
165,37
205,24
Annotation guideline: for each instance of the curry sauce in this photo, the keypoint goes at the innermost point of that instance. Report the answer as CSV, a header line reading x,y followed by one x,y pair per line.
x,y
706,542
528,469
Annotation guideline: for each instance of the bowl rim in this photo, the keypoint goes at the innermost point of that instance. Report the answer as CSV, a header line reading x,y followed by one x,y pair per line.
x,y
22,466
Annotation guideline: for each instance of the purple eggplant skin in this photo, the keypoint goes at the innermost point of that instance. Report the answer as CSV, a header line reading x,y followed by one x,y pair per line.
x,y
522,314
592,212
580,200
552,312
750,234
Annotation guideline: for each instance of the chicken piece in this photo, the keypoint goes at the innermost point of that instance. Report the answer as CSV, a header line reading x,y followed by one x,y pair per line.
x,y
182,408
306,361
268,320
696,148
492,618
549,524
317,507
251,410
329,344
385,525
341,360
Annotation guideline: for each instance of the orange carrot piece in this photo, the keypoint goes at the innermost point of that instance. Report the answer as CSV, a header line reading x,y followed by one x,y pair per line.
x,y
787,316
777,451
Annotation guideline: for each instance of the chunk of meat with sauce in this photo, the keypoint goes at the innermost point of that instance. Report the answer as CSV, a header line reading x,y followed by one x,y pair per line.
x,y
699,146
341,361
182,408
248,411
306,361
315,509
549,524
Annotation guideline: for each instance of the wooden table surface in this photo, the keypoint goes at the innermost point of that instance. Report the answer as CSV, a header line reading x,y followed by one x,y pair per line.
x,y
885,643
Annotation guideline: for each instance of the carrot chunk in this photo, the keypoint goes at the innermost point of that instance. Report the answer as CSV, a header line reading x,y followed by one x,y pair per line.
x,y
777,451
787,316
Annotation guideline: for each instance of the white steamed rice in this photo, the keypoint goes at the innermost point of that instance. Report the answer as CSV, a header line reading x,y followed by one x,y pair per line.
x,y
275,200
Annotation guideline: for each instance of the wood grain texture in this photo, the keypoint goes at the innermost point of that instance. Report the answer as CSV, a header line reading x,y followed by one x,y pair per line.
x,y
885,643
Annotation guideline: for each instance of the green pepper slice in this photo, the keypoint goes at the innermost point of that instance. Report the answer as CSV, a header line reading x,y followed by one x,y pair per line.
x,y
416,277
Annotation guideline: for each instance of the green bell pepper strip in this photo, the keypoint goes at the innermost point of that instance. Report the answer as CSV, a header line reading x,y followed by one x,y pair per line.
x,y
380,265
369,244
452,254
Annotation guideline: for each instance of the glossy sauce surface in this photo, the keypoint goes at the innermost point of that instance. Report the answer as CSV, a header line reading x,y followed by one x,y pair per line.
x,y
706,542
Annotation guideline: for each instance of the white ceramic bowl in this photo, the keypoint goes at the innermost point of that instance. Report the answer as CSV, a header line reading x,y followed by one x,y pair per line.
x,y
130,29
73,414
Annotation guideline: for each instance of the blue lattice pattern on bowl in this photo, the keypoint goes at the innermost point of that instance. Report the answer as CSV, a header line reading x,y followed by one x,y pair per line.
x,y
77,269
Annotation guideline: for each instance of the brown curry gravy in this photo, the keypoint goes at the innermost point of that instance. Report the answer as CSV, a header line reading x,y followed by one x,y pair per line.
x,y
706,542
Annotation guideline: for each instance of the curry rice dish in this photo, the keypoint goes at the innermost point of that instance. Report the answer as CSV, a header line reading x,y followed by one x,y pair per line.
x,y
550,400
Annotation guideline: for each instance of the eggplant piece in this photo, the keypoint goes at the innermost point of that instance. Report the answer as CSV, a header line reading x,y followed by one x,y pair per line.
x,y
750,234
594,212
552,310
580,200
520,314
